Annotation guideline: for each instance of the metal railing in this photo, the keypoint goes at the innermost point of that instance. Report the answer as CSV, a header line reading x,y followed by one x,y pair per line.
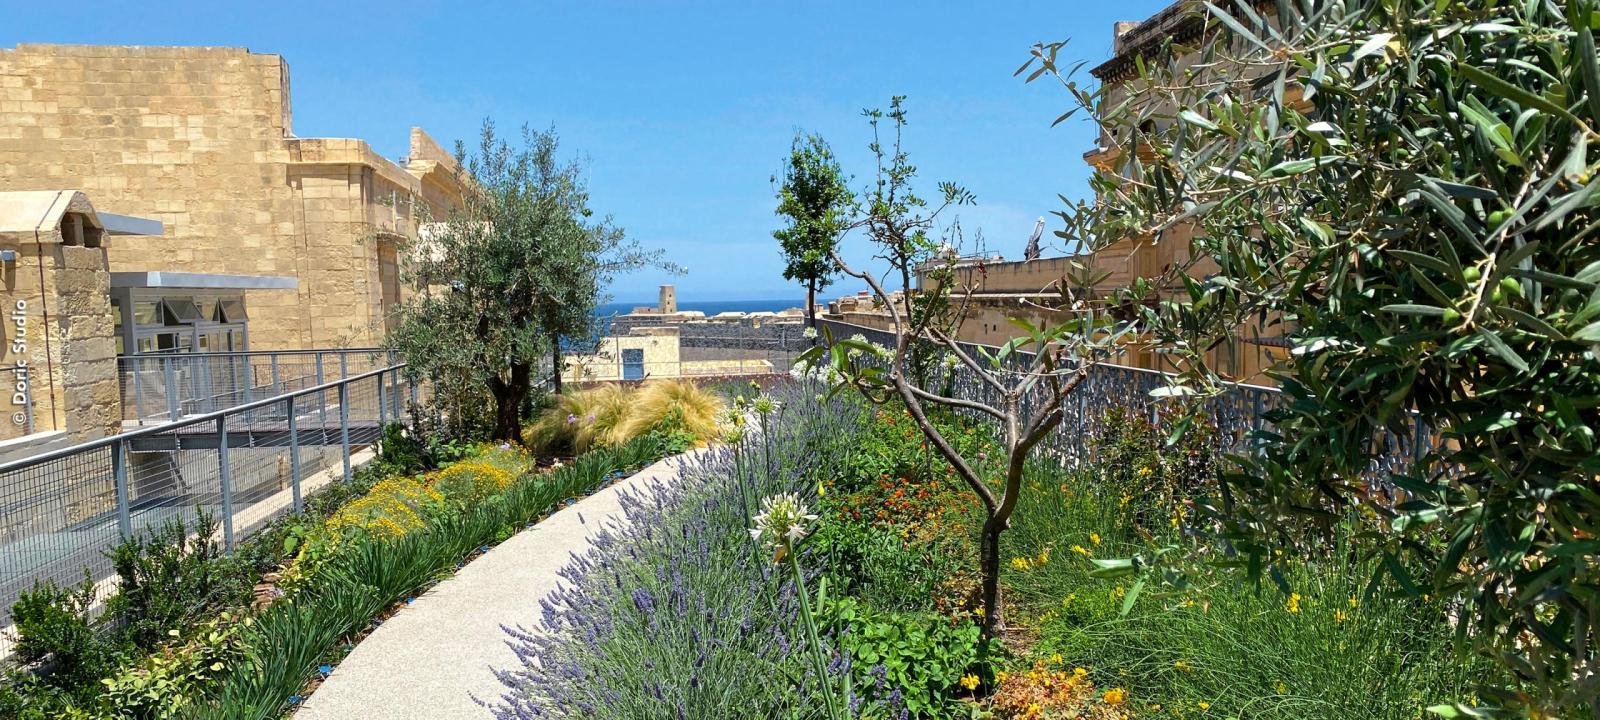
x,y
62,511
162,387
1235,414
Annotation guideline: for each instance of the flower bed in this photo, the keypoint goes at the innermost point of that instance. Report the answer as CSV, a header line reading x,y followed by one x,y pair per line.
x,y
684,616
185,636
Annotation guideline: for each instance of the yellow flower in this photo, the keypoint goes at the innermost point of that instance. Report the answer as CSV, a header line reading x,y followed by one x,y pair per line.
x,y
1020,563
1056,658
1000,676
1203,705
1080,672
1339,616
1185,667
1043,557
1094,538
1354,602
1281,688
1115,696
1068,599
1081,550
1034,709
969,682
1118,593
978,612
1293,605
1145,471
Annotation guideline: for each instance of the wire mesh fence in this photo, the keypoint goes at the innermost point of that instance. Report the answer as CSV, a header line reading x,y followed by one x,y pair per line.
x,y
62,511
1237,414
162,387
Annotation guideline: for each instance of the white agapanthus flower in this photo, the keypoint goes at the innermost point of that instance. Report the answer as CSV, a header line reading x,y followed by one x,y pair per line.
x,y
783,521
809,333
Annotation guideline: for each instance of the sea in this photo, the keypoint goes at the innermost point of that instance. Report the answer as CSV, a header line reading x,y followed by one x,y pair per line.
x,y
605,312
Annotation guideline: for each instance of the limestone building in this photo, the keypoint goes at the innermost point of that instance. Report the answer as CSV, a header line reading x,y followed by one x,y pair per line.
x,y
202,140
58,356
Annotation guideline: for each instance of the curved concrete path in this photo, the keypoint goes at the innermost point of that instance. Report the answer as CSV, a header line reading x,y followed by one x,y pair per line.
x,y
432,658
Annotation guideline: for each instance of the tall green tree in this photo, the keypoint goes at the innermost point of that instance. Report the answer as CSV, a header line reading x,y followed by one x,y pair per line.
x,y
1405,192
815,199
508,274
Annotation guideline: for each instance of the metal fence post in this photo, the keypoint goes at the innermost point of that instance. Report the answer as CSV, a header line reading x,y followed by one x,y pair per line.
x,y
138,390
322,396
344,427
382,400
119,473
274,375
344,365
227,483
294,454
172,388
411,387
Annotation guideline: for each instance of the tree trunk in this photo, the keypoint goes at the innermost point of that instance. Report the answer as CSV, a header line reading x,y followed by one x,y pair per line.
x,y
555,377
508,398
989,568
811,304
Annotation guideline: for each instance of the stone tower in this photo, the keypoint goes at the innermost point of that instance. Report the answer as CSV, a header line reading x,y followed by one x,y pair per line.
x,y
669,300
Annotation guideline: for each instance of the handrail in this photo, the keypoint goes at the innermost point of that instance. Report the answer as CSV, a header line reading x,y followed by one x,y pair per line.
x,y
175,353
1160,373
213,416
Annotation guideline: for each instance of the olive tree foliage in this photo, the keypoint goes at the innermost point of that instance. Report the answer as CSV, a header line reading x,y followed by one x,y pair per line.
x,y
519,265
1405,191
815,199
1025,393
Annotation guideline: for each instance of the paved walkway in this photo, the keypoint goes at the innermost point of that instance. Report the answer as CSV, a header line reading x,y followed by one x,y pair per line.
x,y
433,657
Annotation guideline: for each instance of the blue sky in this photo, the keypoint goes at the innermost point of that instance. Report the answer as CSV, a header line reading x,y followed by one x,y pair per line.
x,y
682,110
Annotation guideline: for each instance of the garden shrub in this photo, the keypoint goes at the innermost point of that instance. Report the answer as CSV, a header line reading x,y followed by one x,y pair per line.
x,y
166,683
56,622
470,481
579,420
897,527
609,415
172,576
393,508
923,656
673,406
1155,482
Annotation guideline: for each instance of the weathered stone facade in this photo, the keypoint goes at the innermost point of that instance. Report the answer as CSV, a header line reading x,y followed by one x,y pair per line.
x,y
201,139
59,356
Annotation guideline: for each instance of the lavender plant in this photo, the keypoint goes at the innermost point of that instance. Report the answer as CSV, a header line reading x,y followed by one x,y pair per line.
x,y
674,613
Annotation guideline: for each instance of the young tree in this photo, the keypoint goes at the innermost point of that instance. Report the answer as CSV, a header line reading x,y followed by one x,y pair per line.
x,y
1028,379
815,200
1405,191
519,265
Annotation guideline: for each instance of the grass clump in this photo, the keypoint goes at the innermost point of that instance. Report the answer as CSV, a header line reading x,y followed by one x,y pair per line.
x,y
610,415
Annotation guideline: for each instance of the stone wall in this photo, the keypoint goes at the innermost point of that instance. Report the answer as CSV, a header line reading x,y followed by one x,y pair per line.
x,y
57,305
201,139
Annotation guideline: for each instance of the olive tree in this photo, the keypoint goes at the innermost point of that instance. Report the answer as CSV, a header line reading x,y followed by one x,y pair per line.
x,y
520,264
1404,192
1026,382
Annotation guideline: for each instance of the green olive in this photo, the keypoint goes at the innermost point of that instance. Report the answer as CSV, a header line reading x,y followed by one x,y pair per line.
x,y
1511,286
1498,218
1452,316
1471,275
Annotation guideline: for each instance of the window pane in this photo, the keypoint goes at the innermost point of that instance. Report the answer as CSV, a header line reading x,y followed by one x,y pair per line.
x,y
146,345
166,341
181,311
147,312
233,309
